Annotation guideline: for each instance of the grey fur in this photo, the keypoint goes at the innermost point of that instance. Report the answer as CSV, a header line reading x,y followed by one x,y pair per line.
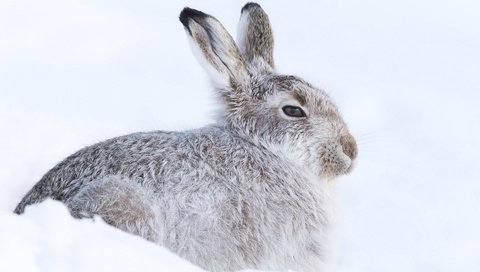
x,y
252,191
255,36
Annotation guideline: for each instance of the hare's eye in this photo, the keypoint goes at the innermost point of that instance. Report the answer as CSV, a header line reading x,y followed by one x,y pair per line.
x,y
293,111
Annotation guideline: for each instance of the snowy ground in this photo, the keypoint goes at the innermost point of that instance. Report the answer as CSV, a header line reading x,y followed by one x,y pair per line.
x,y
406,75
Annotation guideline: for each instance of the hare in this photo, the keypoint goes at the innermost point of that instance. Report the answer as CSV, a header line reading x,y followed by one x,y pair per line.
x,y
250,191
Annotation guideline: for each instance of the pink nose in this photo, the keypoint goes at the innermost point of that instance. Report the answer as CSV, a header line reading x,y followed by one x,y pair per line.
x,y
349,146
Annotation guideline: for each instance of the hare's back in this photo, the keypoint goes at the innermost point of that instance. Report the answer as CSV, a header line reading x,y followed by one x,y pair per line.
x,y
138,156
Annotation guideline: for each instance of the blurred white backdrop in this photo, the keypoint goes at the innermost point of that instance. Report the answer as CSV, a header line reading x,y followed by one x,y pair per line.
x,y
405,74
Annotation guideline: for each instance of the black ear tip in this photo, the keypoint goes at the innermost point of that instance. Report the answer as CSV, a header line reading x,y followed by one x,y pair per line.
x,y
249,6
188,13
183,17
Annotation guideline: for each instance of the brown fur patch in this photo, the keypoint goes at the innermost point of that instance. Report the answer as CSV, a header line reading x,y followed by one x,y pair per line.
x,y
300,98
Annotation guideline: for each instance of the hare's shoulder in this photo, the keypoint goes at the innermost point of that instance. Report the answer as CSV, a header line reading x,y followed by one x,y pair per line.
x,y
244,161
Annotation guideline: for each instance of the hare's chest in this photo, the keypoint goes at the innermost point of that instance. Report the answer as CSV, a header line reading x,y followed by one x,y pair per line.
x,y
297,228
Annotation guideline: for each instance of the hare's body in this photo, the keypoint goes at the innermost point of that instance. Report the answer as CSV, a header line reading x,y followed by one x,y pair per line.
x,y
183,191
251,191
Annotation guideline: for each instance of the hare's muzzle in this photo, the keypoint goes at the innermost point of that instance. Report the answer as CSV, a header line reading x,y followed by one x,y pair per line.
x,y
349,146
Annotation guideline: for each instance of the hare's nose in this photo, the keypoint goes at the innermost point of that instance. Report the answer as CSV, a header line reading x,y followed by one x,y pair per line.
x,y
349,146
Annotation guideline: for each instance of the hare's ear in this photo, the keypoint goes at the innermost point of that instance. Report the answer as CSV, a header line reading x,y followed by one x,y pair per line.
x,y
216,50
255,37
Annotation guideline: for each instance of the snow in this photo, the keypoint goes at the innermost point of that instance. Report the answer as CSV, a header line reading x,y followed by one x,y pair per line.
x,y
405,74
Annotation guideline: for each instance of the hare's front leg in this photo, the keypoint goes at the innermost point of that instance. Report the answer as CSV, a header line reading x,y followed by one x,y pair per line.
x,y
120,202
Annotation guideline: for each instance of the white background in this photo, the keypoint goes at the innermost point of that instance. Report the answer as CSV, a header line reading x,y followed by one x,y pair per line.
x,y
405,74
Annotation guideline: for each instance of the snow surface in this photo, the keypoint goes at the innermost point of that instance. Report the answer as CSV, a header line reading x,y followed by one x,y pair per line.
x,y
406,75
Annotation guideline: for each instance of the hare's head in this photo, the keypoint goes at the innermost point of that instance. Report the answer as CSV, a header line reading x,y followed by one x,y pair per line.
x,y
281,112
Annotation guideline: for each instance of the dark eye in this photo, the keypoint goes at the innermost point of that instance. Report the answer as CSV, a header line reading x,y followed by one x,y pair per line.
x,y
294,111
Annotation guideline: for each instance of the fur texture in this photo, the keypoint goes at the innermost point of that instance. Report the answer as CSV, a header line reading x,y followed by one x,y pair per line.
x,y
252,191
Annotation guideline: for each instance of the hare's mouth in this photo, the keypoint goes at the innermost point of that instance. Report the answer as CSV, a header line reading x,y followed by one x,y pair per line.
x,y
336,164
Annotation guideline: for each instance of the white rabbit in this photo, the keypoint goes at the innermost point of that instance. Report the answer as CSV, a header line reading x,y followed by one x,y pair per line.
x,y
251,191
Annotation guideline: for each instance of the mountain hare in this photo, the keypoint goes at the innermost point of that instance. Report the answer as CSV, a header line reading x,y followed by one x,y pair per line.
x,y
251,191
